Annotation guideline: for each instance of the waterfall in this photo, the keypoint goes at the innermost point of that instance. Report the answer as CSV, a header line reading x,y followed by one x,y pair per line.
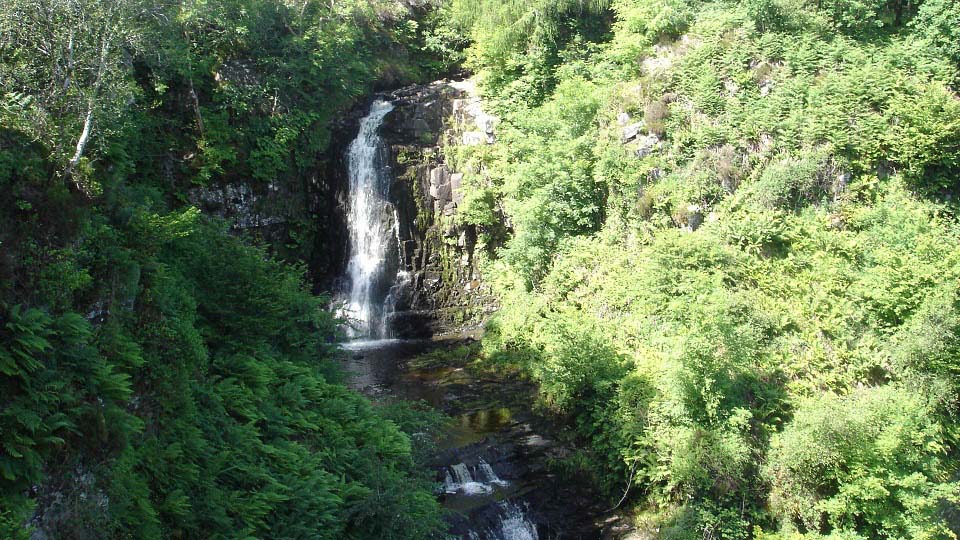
x,y
372,223
514,524
508,519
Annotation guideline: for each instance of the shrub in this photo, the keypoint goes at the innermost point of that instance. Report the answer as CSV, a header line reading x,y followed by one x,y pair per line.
x,y
863,15
656,20
925,139
870,463
757,232
792,182
938,22
655,115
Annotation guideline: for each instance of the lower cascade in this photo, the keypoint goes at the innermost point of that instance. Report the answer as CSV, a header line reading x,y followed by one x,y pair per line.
x,y
513,525
372,223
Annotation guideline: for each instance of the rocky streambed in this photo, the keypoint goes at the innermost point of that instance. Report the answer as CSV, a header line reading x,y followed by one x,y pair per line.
x,y
495,468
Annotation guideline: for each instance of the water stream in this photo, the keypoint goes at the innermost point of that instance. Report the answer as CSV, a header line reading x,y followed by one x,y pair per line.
x,y
491,470
480,480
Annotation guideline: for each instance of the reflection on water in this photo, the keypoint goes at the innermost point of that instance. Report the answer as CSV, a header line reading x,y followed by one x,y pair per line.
x,y
487,420
473,427
486,479
369,344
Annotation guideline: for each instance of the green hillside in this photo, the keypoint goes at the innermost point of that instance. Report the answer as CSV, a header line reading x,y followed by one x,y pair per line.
x,y
160,377
732,256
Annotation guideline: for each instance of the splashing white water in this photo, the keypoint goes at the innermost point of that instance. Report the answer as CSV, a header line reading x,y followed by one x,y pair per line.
x,y
372,224
480,481
513,524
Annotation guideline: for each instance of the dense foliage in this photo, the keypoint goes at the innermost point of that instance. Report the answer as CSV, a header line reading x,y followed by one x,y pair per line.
x,y
159,377
725,237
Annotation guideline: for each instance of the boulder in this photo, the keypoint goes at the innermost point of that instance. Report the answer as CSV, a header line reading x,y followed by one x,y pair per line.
x,y
694,217
646,145
630,132
765,87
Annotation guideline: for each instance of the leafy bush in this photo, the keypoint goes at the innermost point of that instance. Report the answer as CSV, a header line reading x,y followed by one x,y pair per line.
x,y
938,22
871,462
653,21
793,182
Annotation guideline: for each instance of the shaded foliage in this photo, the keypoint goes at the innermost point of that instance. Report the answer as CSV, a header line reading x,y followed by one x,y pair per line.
x,y
159,377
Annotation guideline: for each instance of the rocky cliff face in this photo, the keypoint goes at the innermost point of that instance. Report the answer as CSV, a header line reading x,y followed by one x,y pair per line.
x,y
300,217
438,260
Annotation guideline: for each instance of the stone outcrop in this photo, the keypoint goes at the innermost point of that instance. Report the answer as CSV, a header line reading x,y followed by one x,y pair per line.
x,y
246,208
438,253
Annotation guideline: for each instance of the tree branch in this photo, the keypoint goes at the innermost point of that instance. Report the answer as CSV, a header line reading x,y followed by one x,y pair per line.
x,y
88,120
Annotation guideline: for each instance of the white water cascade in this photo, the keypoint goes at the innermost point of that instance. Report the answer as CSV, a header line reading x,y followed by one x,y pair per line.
x,y
372,222
481,480
513,525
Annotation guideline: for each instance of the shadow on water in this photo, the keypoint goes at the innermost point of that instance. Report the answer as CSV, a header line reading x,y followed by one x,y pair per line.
x,y
492,465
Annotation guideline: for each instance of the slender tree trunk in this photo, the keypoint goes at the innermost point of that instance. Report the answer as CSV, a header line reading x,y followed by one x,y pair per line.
x,y
81,145
69,77
88,120
196,109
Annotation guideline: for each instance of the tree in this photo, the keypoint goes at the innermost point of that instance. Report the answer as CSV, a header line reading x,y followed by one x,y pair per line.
x,y
938,21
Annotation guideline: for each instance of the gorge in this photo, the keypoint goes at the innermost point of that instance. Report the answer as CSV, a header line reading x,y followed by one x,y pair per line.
x,y
624,270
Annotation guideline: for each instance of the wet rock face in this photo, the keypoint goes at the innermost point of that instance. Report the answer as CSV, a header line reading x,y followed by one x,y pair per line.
x,y
246,208
436,251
